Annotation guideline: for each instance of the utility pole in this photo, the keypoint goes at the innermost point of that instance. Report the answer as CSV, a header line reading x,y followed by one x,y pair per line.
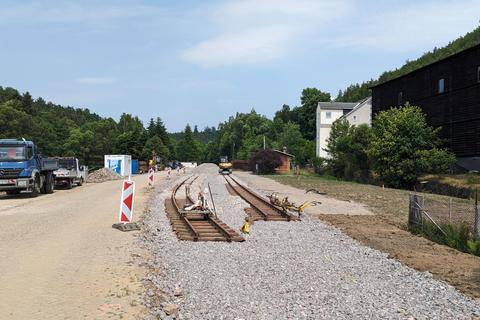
x,y
263,142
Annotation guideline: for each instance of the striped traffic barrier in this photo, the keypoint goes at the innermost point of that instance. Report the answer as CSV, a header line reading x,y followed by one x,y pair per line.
x,y
126,204
151,177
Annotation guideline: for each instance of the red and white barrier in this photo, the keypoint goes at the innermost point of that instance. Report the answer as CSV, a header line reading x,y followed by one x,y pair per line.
x,y
151,177
126,201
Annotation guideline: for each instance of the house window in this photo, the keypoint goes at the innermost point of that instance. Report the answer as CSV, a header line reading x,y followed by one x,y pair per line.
x,y
400,98
354,118
441,85
328,115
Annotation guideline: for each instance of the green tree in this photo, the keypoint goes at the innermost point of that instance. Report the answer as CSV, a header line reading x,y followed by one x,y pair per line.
x,y
187,148
291,139
404,147
78,144
305,116
359,91
155,145
13,121
347,147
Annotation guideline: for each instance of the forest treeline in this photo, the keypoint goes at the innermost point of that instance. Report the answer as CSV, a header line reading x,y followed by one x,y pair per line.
x,y
359,91
68,131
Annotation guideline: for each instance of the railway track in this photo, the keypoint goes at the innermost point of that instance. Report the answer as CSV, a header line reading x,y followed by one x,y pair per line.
x,y
196,225
260,208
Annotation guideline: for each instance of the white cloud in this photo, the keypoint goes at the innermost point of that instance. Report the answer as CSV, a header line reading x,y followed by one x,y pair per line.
x,y
247,47
418,26
71,12
96,80
262,31
259,31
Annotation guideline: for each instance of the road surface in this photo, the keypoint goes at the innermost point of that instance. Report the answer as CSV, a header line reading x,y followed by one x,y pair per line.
x,y
61,259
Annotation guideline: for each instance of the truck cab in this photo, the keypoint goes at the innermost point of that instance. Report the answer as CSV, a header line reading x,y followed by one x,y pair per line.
x,y
69,172
23,169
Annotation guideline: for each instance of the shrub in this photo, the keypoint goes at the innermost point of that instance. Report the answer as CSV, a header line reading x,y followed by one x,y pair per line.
x,y
267,161
456,236
319,165
347,147
473,246
404,147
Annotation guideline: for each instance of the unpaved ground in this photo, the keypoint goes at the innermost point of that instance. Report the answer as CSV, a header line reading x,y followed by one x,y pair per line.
x,y
298,196
284,270
61,259
385,231
459,269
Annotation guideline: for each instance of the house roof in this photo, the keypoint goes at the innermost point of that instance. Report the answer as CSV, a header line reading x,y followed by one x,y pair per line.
x,y
358,106
284,153
333,105
428,65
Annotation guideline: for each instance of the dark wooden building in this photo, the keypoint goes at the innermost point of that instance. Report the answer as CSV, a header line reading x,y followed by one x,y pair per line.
x,y
448,91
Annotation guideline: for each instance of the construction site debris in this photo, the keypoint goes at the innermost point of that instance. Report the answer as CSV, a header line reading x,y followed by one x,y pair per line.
x,y
102,175
315,191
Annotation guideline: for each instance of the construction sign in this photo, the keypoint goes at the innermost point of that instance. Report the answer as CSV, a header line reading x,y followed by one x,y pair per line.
x,y
151,177
126,202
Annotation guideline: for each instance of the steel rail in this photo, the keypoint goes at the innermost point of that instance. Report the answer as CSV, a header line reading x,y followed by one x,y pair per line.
x,y
258,197
177,208
225,233
263,214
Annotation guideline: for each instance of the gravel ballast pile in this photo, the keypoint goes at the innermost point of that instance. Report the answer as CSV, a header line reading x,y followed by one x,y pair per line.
x,y
102,175
284,270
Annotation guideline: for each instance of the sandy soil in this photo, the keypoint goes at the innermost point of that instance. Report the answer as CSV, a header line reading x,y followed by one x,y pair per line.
x,y
383,232
61,259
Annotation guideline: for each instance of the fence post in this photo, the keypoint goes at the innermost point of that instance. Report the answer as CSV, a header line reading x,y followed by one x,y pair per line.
x,y
410,210
450,211
476,226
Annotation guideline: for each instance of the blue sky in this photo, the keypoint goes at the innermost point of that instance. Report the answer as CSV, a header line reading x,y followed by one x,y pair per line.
x,y
199,62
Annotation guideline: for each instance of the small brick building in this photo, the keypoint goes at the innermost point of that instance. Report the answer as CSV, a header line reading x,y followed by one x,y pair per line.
x,y
285,157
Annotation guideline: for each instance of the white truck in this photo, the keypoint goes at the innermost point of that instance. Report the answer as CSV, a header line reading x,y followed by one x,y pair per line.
x,y
69,172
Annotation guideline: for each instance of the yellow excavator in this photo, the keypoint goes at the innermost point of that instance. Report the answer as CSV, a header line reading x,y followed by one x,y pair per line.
x,y
225,166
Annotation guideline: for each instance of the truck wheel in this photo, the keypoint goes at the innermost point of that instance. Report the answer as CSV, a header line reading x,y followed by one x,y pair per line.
x,y
69,184
37,188
49,184
80,182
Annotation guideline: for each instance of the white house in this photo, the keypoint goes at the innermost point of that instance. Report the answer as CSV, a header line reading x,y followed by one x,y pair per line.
x,y
329,112
361,113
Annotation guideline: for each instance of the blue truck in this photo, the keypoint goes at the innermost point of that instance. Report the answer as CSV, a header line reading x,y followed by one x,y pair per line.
x,y
22,168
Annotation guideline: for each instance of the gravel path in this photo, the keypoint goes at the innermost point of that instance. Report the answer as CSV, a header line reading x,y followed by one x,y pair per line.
x,y
285,270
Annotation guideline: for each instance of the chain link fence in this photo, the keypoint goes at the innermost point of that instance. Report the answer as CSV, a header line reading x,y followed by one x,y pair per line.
x,y
444,211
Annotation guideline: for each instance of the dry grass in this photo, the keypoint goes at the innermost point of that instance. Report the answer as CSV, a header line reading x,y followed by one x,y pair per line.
x,y
470,180
392,203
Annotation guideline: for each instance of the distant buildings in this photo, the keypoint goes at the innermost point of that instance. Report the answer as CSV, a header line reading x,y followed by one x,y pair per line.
x,y
285,159
448,91
329,112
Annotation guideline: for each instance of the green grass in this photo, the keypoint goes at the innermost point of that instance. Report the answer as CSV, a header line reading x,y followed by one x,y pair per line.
x,y
456,236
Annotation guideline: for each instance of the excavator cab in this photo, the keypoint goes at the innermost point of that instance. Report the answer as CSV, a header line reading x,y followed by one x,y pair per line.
x,y
225,167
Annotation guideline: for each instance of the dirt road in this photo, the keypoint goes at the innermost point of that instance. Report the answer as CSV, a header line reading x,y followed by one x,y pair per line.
x,y
61,259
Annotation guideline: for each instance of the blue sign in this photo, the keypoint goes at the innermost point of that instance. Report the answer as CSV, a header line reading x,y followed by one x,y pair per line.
x,y
115,165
